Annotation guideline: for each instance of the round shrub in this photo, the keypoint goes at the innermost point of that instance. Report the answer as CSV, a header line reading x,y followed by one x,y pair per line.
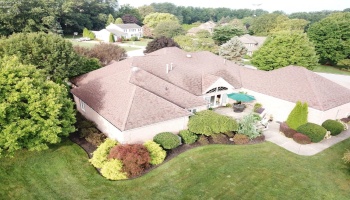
x,y
219,139
240,139
167,140
333,126
286,130
301,138
203,140
99,156
188,137
135,158
112,170
315,132
156,152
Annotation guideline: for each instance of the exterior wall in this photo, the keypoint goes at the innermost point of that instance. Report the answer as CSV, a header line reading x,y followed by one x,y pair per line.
x,y
223,93
280,109
102,124
102,35
142,134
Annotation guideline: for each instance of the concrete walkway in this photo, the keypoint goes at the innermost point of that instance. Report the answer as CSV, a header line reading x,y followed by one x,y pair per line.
x,y
273,135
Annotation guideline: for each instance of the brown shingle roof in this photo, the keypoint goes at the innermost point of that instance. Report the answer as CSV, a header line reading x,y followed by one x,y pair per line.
x,y
294,84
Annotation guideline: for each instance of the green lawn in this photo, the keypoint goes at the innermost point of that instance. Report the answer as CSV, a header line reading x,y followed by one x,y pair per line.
x,y
261,171
83,44
143,42
330,69
129,48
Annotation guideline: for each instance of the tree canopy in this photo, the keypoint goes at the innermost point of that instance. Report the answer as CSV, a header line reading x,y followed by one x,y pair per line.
x,y
34,111
153,19
233,50
283,49
223,34
191,44
49,52
159,43
331,38
168,29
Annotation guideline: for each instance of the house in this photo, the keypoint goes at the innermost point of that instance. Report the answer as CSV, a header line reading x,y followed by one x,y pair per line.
x,y
119,30
252,43
208,26
137,98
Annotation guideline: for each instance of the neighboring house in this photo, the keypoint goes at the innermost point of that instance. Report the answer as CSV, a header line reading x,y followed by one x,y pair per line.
x,y
208,26
137,98
252,43
119,30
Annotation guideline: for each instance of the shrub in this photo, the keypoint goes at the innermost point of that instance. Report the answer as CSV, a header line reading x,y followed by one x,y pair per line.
x,y
298,116
247,126
219,139
240,139
203,140
188,137
135,158
156,152
229,134
333,126
112,170
167,140
208,123
315,132
134,38
257,106
99,156
301,138
111,38
82,122
288,132
346,156
92,135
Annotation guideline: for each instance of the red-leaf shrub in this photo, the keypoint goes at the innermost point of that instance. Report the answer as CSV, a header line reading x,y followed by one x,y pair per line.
x,y
301,138
135,158
288,132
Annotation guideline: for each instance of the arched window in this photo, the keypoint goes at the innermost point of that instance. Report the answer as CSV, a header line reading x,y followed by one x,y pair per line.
x,y
222,88
212,90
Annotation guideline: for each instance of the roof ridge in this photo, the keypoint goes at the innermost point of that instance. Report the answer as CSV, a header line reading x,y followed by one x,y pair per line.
x,y
313,88
128,109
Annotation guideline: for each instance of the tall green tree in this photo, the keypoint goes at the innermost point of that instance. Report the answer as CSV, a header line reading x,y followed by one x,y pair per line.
x,y
127,9
168,29
118,21
110,20
192,44
153,19
283,49
265,25
49,52
222,34
145,10
331,38
233,50
35,112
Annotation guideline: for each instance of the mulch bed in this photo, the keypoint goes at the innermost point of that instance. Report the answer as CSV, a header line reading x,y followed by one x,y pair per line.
x,y
89,149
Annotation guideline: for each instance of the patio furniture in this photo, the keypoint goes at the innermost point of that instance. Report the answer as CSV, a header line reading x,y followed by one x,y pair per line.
x,y
238,107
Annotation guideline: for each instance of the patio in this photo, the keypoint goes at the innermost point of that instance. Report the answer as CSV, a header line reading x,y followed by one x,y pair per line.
x,y
228,111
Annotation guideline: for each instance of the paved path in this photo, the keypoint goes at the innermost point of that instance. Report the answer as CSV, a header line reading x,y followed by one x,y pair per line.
x,y
273,135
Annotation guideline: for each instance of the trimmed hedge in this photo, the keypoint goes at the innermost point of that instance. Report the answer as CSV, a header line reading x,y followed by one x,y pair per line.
x,y
208,122
333,126
156,152
188,137
240,139
167,140
288,132
301,138
298,116
314,131
99,156
112,170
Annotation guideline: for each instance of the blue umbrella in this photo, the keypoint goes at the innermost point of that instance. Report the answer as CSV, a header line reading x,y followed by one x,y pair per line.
x,y
241,97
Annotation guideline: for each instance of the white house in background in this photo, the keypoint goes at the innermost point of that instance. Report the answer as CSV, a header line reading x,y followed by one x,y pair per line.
x,y
252,43
139,97
119,30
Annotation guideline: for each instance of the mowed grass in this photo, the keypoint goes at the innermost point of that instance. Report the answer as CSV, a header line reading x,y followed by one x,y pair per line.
x,y
142,42
91,44
331,70
261,171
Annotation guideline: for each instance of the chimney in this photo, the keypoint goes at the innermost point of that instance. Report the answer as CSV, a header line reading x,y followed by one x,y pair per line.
x,y
171,66
167,68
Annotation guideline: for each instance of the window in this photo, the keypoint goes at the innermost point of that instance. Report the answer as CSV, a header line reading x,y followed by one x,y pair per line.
x,y
212,90
222,88
82,105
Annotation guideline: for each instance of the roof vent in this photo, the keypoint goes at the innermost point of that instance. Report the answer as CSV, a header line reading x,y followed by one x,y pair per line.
x,y
189,56
134,69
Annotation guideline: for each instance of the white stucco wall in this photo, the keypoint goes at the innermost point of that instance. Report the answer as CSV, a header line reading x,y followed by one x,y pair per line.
x,y
102,35
224,99
102,124
142,134
280,109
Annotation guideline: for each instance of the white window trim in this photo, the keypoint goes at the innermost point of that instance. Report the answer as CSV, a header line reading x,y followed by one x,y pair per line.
x,y
82,105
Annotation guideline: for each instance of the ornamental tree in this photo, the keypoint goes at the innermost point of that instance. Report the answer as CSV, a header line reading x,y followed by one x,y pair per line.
x,y
233,50
153,19
49,52
130,19
223,34
118,21
331,38
35,112
284,49
159,43
110,20
298,116
168,29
